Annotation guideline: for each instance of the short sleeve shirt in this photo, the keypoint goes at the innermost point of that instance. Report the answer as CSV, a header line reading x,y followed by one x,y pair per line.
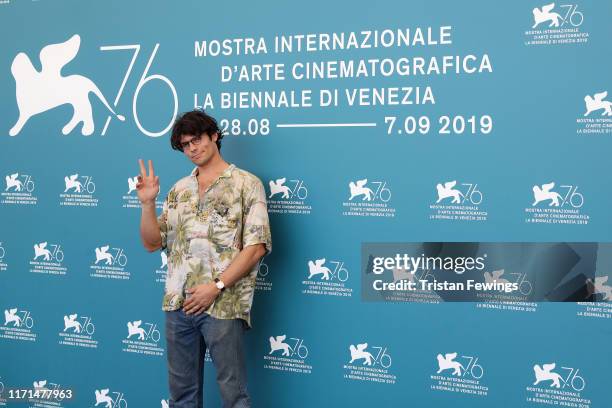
x,y
203,235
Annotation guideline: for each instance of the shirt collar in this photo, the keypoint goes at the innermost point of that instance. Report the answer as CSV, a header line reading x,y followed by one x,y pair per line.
x,y
226,173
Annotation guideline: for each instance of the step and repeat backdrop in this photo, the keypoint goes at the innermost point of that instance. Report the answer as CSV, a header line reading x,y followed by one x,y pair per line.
x,y
468,131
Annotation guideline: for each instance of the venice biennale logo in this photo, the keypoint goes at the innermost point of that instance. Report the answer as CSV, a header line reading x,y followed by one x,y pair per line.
x,y
32,98
41,91
546,14
597,102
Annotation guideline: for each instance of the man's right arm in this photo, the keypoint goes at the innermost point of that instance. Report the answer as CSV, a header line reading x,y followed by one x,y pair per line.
x,y
147,189
149,228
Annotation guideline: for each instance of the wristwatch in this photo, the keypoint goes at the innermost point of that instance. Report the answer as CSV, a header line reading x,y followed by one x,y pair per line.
x,y
219,284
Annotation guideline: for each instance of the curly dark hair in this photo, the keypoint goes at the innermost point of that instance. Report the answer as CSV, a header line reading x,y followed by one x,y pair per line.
x,y
195,122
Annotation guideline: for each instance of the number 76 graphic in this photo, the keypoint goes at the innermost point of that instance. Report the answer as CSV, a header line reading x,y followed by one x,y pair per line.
x,y
144,79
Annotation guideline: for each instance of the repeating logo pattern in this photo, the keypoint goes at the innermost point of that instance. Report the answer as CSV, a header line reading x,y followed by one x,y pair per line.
x,y
459,374
142,338
79,191
110,263
18,325
78,332
287,354
48,259
597,117
554,385
458,202
321,275
327,278
369,363
552,205
110,399
19,189
288,197
556,25
368,199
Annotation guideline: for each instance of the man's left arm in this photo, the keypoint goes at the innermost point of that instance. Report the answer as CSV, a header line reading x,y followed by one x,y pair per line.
x,y
202,296
243,264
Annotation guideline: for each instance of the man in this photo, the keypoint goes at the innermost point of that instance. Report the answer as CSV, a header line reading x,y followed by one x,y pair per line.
x,y
214,227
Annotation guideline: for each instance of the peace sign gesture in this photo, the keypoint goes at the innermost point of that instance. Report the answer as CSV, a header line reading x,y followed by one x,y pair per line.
x,y
147,187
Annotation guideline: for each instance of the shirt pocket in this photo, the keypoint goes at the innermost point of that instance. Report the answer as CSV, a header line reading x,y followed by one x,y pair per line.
x,y
224,227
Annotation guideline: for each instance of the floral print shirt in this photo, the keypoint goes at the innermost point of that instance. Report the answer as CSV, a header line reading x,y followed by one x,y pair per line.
x,y
203,235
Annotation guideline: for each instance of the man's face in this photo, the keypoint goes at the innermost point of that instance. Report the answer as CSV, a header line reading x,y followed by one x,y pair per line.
x,y
199,149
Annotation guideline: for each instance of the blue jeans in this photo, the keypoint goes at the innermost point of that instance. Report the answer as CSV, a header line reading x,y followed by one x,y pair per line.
x,y
187,338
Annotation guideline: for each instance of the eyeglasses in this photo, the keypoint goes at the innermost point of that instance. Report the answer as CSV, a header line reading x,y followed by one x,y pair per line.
x,y
194,140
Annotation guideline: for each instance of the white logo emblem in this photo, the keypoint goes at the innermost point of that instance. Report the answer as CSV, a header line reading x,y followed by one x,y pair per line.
x,y
70,322
446,363
41,250
103,255
38,92
12,182
358,188
572,380
151,334
10,316
317,267
446,190
545,373
164,259
102,397
359,352
78,331
132,181
545,193
277,187
596,102
298,191
278,343
134,328
72,183
546,14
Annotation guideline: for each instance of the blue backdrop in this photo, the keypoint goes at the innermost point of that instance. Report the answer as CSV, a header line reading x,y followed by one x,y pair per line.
x,y
501,99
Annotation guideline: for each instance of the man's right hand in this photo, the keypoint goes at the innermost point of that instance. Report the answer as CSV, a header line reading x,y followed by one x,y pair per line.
x,y
147,187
